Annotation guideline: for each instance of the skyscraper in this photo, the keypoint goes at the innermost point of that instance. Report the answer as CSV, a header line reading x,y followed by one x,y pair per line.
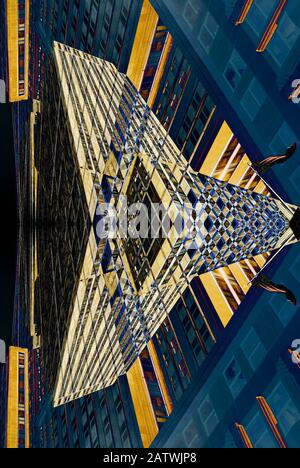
x,y
104,29
104,419
159,69
168,308
16,16
17,429
124,287
246,56
186,110
248,394
3,402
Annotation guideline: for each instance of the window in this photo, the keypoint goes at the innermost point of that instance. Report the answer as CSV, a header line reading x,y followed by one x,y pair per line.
x,y
284,138
284,39
234,378
284,408
183,79
253,99
253,349
259,14
208,416
191,435
235,69
191,12
208,32
174,102
259,433
94,14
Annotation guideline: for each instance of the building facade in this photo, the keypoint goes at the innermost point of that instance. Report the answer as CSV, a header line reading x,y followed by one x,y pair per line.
x,y
133,275
185,105
248,82
104,29
3,403
248,394
17,429
17,37
192,119
104,419
163,75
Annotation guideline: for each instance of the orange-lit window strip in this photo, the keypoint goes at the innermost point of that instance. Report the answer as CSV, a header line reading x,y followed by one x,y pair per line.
x,y
225,160
271,420
227,286
143,408
166,325
200,109
230,167
250,179
203,315
245,10
244,436
169,123
230,286
160,71
142,44
232,164
160,378
272,27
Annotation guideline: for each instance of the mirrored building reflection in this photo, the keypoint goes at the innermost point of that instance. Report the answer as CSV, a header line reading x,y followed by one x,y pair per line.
x,y
98,301
134,340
